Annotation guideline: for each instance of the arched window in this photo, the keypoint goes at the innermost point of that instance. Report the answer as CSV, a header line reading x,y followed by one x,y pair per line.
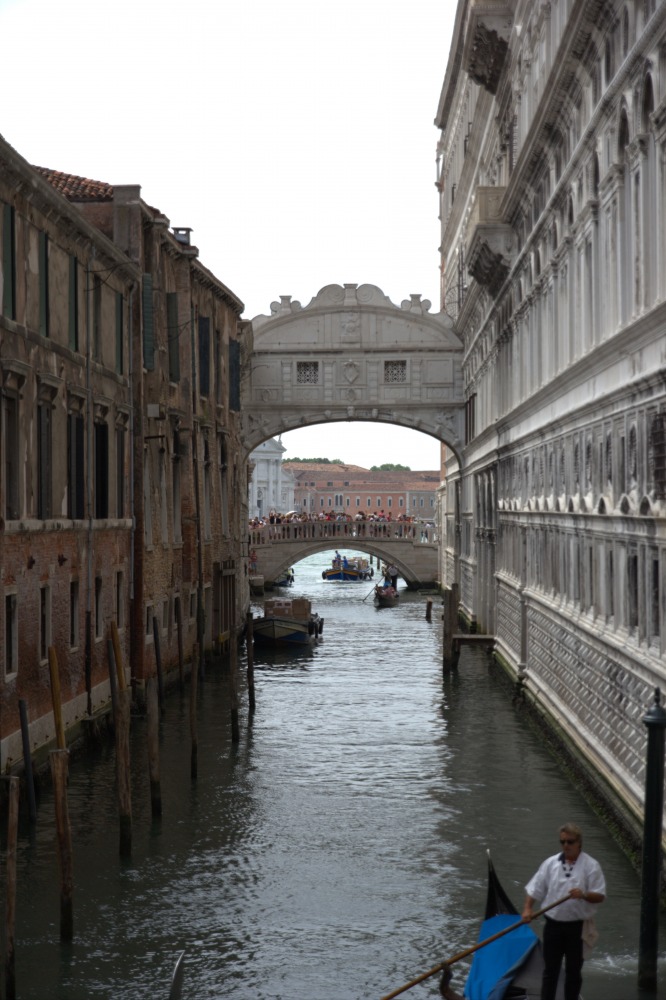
x,y
648,104
625,33
623,134
632,464
595,176
609,61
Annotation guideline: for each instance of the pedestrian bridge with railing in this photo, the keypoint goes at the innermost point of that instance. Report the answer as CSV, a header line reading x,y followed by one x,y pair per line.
x,y
412,546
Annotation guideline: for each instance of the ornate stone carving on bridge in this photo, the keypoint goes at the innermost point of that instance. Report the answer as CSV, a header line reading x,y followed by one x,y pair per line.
x,y
352,354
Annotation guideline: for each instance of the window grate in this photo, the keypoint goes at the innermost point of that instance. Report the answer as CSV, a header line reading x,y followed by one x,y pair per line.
x,y
395,371
307,372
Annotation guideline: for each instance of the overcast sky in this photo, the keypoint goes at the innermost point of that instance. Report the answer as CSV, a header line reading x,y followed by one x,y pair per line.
x,y
296,139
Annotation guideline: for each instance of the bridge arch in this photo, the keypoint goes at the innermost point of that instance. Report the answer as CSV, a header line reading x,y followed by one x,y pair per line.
x,y
352,355
411,547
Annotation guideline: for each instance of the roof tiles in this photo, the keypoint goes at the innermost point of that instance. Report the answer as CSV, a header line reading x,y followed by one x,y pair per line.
x,y
76,188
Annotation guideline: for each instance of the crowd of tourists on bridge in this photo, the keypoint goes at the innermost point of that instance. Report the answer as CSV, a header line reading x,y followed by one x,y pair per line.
x,y
380,524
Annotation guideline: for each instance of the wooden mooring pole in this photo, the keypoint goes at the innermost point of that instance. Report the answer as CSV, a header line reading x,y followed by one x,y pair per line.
x,y
122,728
429,609
121,722
158,663
249,642
10,883
27,760
181,652
59,761
194,753
233,685
153,736
55,698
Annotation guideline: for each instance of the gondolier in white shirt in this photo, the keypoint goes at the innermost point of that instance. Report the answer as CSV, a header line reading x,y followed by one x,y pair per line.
x,y
574,873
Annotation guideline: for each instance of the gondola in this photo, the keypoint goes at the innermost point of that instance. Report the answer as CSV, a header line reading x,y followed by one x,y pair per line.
x,y
386,597
510,968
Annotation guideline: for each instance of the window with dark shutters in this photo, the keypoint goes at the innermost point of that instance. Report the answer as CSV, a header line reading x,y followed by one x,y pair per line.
x,y
120,333
11,456
120,472
101,470
97,317
173,336
44,461
148,322
204,355
75,477
44,284
8,262
73,318
234,376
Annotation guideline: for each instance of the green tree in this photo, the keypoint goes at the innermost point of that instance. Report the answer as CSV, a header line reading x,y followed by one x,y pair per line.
x,y
390,467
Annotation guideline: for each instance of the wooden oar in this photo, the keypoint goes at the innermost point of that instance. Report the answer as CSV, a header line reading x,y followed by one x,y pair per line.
x,y
470,951
368,595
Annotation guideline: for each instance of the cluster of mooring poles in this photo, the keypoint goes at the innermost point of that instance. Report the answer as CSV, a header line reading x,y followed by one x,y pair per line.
x,y
59,766
652,853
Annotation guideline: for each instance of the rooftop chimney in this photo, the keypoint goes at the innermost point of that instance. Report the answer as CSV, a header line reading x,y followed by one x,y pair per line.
x,y
182,235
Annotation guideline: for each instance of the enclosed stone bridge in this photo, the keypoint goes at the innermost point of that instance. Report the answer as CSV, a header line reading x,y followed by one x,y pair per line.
x,y
412,546
351,354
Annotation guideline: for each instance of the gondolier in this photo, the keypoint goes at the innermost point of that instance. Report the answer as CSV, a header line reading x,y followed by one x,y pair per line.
x,y
575,873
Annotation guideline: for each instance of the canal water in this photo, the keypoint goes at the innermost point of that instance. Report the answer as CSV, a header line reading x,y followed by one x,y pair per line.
x,y
335,853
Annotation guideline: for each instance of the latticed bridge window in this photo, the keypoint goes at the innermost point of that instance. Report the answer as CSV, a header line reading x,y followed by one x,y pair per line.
x,y
307,372
395,371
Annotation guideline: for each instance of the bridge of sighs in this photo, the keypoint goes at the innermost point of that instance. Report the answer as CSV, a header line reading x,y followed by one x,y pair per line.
x,y
351,354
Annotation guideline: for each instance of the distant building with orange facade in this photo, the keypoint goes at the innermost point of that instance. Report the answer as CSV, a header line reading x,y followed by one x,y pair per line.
x,y
323,488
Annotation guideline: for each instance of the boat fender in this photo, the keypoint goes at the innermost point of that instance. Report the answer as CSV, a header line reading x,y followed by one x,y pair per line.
x,y
321,625
311,627
323,575
372,573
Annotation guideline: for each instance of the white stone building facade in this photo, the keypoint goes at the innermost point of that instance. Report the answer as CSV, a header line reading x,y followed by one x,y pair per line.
x,y
271,487
552,185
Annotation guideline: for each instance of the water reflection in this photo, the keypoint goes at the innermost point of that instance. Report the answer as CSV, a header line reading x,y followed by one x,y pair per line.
x,y
337,851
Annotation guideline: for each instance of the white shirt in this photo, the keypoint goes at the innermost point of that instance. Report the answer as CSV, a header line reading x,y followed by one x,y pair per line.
x,y
557,877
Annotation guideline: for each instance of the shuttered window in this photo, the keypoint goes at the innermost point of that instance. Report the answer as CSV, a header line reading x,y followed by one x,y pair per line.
x,y
204,355
11,456
173,336
75,470
97,317
101,471
43,284
148,322
234,376
120,333
73,323
44,461
8,262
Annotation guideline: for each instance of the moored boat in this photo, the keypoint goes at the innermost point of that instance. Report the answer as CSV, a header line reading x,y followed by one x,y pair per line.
x,y
346,569
386,597
288,623
285,579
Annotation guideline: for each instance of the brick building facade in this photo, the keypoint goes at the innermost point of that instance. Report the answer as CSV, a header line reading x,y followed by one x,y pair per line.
x,y
122,472
65,506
